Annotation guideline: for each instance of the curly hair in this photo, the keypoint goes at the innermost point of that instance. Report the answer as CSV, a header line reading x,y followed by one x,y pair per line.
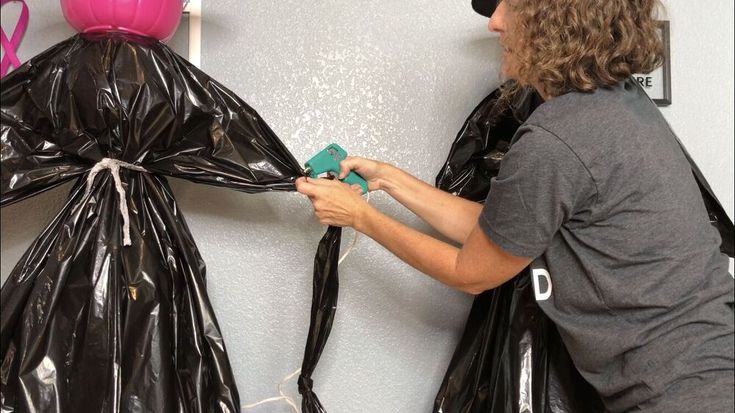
x,y
563,46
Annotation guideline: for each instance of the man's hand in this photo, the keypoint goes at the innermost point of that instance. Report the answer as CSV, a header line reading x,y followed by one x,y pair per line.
x,y
372,171
335,203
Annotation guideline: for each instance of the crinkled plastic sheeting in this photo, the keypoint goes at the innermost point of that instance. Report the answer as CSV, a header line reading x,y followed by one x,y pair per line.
x,y
90,325
510,357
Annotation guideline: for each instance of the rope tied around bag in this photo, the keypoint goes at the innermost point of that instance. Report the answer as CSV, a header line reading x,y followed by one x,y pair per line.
x,y
114,166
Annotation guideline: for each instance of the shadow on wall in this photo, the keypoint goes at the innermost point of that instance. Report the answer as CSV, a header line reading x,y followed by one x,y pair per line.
x,y
424,307
225,204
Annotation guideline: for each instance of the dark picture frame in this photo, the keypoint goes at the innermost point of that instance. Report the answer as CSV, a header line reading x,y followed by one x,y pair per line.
x,y
658,83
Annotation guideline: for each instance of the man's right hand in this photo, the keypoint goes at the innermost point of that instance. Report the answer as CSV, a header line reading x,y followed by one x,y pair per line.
x,y
372,171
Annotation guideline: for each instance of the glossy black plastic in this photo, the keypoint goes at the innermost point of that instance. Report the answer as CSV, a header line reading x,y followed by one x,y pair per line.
x,y
510,357
90,325
323,309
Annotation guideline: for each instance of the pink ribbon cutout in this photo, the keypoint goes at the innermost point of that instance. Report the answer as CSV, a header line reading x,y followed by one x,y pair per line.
x,y
11,46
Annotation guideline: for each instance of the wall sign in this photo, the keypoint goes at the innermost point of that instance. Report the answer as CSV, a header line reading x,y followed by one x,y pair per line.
x,y
658,83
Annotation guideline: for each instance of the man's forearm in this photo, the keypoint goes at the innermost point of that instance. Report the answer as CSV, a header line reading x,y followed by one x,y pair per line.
x,y
452,216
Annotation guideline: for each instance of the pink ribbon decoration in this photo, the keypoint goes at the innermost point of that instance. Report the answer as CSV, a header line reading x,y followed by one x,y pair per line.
x,y
10,46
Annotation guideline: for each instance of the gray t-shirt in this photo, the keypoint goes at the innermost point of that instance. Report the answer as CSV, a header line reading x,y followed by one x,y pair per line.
x,y
596,189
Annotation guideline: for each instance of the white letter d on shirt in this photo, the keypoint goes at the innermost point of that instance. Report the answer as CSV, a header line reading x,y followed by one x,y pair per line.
x,y
536,274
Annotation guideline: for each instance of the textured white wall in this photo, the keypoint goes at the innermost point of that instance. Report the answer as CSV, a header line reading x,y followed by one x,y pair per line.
x,y
387,79
702,80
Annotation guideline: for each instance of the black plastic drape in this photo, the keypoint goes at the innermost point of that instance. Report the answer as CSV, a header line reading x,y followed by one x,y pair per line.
x,y
323,309
91,325
511,357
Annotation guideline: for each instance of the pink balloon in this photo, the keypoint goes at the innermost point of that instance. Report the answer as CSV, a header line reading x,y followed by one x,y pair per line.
x,y
150,18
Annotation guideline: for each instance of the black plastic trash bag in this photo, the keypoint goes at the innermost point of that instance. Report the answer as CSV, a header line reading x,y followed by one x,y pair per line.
x,y
89,324
480,145
511,357
323,308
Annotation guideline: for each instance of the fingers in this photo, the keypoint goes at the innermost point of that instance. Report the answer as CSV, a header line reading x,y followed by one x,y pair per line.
x,y
306,186
334,202
347,165
326,183
313,187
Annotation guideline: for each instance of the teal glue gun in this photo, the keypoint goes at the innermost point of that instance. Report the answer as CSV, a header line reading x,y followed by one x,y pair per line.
x,y
327,160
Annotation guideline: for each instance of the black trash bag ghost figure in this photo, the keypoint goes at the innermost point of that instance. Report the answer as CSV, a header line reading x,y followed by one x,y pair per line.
x,y
107,311
511,358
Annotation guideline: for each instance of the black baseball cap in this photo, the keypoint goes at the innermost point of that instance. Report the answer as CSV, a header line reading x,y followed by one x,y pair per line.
x,y
485,7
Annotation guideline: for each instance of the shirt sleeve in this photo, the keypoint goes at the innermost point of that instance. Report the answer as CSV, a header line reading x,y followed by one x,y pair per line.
x,y
541,184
